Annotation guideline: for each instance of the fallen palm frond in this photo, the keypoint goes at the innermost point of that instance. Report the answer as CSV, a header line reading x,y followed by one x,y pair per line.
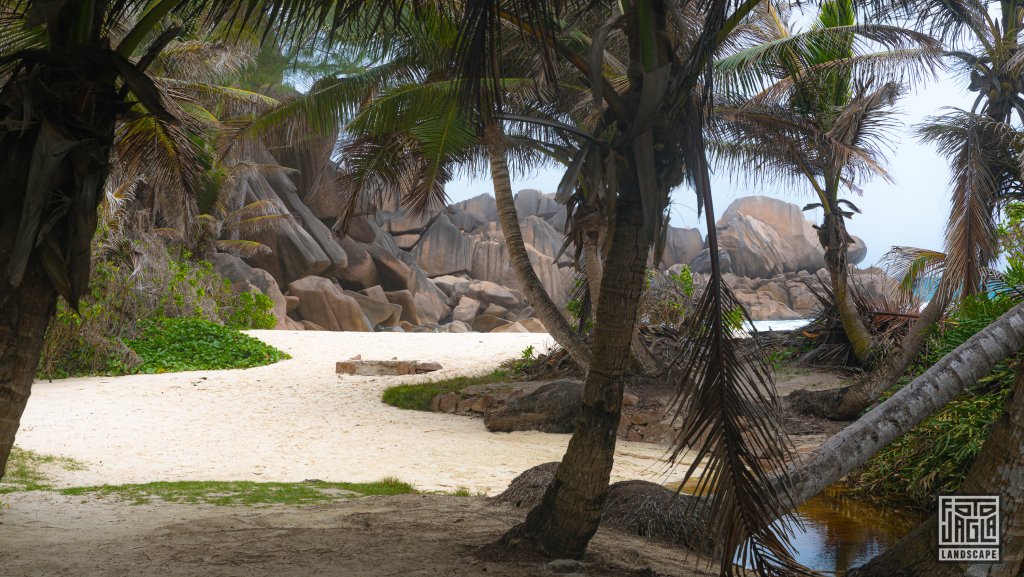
x,y
887,312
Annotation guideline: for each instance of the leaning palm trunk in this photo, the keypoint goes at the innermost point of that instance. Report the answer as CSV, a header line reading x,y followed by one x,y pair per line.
x,y
24,314
53,164
915,402
835,240
845,403
568,516
998,469
545,309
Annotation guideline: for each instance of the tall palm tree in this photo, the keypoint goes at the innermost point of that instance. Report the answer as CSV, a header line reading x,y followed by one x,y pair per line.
x,y
404,134
983,146
815,107
70,70
648,140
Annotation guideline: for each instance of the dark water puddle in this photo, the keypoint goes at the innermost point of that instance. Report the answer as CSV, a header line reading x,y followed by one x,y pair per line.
x,y
840,531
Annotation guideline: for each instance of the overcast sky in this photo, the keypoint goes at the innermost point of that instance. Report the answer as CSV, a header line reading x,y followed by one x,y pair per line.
x,y
910,212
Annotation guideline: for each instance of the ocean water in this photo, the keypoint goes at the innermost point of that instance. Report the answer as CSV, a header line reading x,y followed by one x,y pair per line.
x,y
791,325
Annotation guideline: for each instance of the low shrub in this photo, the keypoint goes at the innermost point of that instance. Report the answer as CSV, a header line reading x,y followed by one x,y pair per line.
x,y
169,345
132,281
417,397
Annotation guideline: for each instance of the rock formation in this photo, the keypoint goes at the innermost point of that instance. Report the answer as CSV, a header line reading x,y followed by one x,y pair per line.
x,y
448,269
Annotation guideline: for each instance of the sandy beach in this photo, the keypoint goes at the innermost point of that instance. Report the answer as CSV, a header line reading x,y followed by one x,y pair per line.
x,y
298,420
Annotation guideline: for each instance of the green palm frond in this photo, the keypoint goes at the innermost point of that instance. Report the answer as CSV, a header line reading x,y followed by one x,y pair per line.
x,y
242,248
985,159
853,49
916,269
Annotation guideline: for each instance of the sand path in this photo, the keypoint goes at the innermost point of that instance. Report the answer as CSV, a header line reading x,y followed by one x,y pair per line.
x,y
297,420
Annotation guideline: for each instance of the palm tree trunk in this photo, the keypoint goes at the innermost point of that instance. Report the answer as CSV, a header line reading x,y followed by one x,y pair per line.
x,y
568,516
25,312
998,469
834,239
845,403
593,267
546,309
915,402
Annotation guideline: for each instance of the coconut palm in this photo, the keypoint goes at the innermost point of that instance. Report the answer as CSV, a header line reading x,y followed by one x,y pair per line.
x,y
983,146
404,136
648,140
70,70
815,108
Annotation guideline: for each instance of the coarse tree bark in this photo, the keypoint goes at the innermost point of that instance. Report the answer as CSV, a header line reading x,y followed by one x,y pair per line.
x,y
915,402
569,513
845,403
589,225
545,309
835,240
998,469
25,313
53,166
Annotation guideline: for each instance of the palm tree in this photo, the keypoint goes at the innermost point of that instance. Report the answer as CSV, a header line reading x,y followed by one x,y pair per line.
x,y
405,136
70,70
983,146
815,107
649,139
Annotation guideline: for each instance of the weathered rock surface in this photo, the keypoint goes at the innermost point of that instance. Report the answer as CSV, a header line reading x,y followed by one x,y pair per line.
x,y
332,309
551,408
766,236
396,270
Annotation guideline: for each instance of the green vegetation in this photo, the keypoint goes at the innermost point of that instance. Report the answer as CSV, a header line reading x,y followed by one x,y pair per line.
x,y
26,470
135,284
245,492
417,397
168,345
935,456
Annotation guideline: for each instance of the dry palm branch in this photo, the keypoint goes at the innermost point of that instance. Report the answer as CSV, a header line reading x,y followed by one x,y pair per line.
x,y
888,314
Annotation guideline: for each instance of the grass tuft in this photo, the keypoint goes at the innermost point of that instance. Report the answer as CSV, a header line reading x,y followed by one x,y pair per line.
x,y
231,493
417,397
25,470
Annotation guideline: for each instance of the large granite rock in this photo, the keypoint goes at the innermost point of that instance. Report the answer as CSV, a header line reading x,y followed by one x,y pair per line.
x,y
531,202
551,408
682,245
750,224
407,301
755,249
444,249
378,310
482,207
326,304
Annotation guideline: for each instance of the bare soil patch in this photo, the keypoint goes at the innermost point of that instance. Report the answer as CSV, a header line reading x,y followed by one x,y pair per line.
x,y
45,534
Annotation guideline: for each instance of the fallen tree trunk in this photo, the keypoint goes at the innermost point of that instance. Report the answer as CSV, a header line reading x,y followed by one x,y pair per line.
x,y
918,400
845,403
998,470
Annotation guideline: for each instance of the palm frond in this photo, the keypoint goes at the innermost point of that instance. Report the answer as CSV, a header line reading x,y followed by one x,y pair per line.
x,y
242,248
984,156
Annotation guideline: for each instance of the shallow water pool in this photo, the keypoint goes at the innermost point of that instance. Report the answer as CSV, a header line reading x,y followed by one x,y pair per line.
x,y
840,532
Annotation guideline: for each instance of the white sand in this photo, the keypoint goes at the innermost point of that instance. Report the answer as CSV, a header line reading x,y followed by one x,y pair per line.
x,y
298,420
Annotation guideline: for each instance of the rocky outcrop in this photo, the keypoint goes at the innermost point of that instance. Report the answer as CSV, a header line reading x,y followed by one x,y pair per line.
x,y
552,408
326,304
766,236
448,269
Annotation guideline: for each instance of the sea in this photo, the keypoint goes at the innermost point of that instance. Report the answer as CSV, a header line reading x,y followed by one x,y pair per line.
x,y
790,325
